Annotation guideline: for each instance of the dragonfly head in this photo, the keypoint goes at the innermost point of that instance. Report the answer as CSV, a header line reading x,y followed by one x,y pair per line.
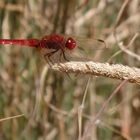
x,y
70,43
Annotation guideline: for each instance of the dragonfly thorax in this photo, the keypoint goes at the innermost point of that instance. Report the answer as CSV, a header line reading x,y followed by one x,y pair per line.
x,y
53,41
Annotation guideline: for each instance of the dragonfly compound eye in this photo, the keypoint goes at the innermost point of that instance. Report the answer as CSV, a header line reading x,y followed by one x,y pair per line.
x,y
70,43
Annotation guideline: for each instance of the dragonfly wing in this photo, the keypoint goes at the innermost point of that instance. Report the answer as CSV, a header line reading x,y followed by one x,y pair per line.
x,y
88,47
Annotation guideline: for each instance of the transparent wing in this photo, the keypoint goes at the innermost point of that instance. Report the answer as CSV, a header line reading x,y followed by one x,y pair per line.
x,y
88,47
91,43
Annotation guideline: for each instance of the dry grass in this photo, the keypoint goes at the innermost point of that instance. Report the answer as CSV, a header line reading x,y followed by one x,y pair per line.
x,y
54,105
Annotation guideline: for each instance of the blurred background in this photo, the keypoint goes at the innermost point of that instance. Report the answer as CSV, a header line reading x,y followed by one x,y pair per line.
x,y
50,100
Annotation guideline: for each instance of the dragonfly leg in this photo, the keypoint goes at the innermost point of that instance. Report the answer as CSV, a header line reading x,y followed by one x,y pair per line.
x,y
64,56
48,55
60,58
48,61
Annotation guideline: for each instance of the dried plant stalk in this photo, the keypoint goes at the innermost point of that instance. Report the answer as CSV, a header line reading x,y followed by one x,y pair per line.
x,y
116,71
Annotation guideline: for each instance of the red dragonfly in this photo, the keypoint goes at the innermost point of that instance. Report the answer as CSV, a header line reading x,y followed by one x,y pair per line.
x,y
54,42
